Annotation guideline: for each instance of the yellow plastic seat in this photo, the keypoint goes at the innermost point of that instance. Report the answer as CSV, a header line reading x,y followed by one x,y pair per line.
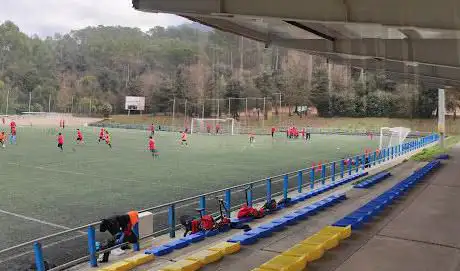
x,y
328,241
345,232
206,256
119,266
285,263
140,259
226,248
311,251
183,265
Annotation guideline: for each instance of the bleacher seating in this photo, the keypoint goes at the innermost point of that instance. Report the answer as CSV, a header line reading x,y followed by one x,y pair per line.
x,y
365,213
276,225
373,180
297,257
266,229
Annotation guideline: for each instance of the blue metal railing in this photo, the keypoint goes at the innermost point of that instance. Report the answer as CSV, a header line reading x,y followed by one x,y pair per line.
x,y
361,162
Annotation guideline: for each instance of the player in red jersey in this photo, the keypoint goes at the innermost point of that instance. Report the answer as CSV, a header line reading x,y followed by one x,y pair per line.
x,y
273,131
152,129
60,141
152,147
183,138
13,136
101,135
79,137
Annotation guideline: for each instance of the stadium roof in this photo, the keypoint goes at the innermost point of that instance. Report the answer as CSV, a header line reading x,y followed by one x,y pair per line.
x,y
407,39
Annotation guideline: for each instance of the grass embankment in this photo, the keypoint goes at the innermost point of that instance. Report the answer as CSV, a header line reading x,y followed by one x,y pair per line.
x,y
429,154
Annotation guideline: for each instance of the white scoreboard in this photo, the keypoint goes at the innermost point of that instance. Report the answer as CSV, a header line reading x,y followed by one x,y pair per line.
x,y
134,103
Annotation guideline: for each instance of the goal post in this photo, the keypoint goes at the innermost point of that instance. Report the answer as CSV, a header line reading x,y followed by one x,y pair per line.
x,y
200,125
392,136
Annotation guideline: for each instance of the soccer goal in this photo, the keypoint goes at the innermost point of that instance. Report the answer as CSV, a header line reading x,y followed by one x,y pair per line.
x,y
213,126
392,136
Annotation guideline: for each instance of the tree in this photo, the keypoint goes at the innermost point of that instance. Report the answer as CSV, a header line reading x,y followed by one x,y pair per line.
x,y
105,109
319,92
234,89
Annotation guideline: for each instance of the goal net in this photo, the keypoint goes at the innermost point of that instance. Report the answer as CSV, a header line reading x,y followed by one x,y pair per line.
x,y
392,136
214,126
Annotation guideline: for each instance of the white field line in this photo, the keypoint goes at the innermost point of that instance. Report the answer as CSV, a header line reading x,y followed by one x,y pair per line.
x,y
35,220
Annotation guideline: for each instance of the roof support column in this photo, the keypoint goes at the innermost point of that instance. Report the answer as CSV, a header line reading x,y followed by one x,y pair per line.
x,y
441,115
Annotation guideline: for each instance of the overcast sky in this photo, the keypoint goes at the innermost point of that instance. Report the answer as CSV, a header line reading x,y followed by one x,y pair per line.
x,y
46,17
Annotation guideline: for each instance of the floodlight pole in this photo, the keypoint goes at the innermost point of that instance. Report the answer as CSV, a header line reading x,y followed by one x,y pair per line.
x,y
263,119
30,98
247,117
185,110
202,111
173,110
49,104
229,104
7,99
218,108
71,105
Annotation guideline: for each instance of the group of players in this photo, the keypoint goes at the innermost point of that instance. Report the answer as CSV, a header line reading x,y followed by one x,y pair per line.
x,y
293,132
104,136
12,135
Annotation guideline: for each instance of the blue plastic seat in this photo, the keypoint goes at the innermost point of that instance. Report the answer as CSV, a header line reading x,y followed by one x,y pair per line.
x,y
274,226
243,239
365,216
311,210
291,219
211,233
259,232
241,220
160,250
346,221
301,214
179,243
195,237
297,199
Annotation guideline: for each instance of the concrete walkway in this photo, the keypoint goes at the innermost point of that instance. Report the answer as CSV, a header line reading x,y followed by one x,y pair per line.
x,y
419,233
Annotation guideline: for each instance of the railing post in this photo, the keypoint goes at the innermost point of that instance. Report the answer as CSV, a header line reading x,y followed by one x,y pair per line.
x,y
285,187
203,204
172,220
342,167
39,263
136,246
333,172
323,174
249,193
92,246
299,181
349,165
228,201
357,163
269,190
312,178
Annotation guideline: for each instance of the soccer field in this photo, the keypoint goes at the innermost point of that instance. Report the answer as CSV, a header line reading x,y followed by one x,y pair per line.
x,y
45,190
